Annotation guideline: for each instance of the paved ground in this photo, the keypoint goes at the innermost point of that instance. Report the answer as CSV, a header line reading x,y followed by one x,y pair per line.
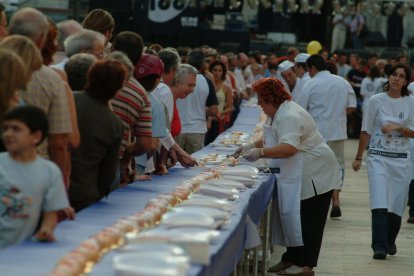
x,y
346,246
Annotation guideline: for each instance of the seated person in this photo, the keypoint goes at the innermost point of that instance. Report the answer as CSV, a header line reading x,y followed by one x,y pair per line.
x,y
95,162
31,188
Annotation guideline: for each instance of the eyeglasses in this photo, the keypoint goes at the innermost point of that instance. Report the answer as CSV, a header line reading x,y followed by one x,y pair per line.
x,y
99,55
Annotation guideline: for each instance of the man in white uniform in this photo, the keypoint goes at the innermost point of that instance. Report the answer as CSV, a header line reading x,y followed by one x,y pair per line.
x,y
301,71
329,98
289,76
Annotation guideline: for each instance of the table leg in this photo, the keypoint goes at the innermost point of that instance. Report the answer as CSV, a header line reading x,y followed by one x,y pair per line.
x,y
266,220
255,261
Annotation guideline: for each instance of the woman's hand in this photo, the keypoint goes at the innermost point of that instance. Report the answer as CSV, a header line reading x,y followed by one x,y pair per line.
x,y
356,165
253,154
242,149
390,127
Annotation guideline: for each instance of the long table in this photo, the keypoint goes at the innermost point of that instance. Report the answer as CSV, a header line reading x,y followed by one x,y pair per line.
x,y
32,258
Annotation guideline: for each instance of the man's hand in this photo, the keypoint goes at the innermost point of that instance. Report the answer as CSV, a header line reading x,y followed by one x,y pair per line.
x,y
186,160
45,234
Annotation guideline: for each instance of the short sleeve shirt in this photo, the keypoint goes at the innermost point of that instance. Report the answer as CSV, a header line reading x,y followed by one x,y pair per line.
x,y
46,91
27,190
133,107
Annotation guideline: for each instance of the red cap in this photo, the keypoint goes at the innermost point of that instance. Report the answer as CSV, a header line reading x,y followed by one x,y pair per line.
x,y
148,65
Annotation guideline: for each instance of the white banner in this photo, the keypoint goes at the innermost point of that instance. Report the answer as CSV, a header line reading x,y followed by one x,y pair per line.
x,y
161,11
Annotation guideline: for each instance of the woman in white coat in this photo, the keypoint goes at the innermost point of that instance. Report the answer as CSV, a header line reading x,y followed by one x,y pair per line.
x,y
308,174
387,126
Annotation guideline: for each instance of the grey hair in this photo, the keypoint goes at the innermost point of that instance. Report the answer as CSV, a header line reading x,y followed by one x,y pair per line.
x,y
77,69
67,28
122,58
182,72
83,40
29,22
170,58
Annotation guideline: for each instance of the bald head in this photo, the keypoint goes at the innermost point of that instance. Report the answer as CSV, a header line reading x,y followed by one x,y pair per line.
x,y
31,23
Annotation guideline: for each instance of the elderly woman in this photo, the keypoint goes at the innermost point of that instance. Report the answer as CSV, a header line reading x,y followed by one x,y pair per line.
x,y
308,174
95,162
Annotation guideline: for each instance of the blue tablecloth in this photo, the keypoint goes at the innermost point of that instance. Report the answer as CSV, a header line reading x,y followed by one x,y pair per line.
x,y
31,258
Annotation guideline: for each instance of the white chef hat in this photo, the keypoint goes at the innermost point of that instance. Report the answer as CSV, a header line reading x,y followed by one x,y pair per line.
x,y
301,58
286,65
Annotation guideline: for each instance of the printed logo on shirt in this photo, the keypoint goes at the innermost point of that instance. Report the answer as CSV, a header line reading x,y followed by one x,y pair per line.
x,y
401,116
388,154
13,203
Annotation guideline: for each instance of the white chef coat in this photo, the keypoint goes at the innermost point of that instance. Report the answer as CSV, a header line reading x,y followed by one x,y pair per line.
x,y
369,88
326,97
294,126
300,82
388,163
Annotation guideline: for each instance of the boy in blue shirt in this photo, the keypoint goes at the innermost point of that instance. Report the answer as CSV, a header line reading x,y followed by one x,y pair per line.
x,y
31,188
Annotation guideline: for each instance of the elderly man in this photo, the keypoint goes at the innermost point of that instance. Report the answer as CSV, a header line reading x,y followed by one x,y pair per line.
x,y
46,90
65,28
329,98
165,95
301,71
290,78
195,108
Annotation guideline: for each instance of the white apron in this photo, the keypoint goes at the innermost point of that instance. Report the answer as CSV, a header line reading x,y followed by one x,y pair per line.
x,y
389,168
287,230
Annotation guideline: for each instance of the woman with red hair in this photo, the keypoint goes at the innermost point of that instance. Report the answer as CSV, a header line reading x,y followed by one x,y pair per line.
x,y
308,174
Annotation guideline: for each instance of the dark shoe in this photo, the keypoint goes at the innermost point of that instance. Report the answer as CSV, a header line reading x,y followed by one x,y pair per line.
x,y
280,266
335,212
379,255
392,249
410,220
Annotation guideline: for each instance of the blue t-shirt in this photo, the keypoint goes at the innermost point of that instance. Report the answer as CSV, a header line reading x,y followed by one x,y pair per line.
x,y
27,190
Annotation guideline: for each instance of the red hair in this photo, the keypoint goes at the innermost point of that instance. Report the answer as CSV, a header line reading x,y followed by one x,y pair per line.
x,y
271,90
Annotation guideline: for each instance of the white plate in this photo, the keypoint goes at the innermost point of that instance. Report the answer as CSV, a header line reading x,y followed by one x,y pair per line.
x,y
248,182
227,183
241,170
214,213
162,264
153,248
218,192
208,202
188,219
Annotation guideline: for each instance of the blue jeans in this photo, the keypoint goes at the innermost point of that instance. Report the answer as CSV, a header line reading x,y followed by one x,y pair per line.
x,y
385,228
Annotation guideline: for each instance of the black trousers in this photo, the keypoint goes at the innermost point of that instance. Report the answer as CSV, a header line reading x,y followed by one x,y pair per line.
x,y
385,229
313,213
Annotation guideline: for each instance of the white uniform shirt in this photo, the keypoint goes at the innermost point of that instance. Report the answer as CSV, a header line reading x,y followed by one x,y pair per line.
x,y
240,83
369,88
300,82
326,98
294,126
192,109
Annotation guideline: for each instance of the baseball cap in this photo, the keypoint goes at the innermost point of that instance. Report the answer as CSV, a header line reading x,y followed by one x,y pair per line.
x,y
301,58
148,65
286,65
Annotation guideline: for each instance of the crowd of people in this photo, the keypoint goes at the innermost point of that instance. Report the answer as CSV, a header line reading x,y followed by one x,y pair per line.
x,y
108,111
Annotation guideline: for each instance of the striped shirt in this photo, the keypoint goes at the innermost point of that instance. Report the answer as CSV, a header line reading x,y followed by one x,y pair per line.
x,y
133,107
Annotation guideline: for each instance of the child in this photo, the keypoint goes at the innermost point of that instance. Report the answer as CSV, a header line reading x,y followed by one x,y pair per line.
x,y
31,188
